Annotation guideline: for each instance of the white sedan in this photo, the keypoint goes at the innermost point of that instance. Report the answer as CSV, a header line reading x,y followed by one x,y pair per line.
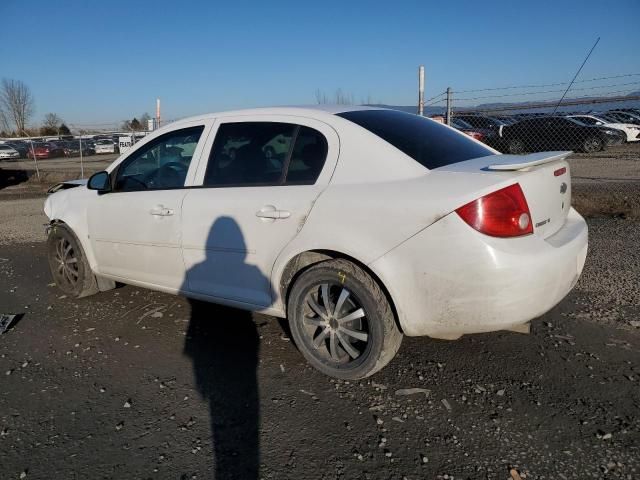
x,y
105,146
632,132
373,225
7,151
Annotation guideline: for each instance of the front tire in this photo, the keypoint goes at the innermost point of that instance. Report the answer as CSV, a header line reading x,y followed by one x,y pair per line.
x,y
341,320
68,263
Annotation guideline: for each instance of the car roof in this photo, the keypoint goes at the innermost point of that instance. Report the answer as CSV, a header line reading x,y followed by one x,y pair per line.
x,y
313,111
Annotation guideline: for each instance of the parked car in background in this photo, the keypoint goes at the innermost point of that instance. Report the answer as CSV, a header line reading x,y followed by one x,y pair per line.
x,y
538,134
631,131
483,121
46,150
487,123
377,224
623,117
105,146
7,151
21,147
72,148
485,135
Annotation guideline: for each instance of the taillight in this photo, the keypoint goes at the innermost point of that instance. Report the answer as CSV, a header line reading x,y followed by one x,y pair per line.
x,y
503,213
476,135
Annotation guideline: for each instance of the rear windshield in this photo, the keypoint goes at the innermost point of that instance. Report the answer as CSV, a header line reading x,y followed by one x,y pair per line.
x,y
429,143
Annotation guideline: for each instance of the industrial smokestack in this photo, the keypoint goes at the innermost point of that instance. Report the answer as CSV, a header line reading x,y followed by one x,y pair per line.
x,y
157,112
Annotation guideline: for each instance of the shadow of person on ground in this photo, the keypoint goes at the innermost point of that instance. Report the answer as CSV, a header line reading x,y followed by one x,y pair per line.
x,y
223,345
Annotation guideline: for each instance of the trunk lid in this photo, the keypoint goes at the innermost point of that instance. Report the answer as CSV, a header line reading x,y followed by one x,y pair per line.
x,y
544,178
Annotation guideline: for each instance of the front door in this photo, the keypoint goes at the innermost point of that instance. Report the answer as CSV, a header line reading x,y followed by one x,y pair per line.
x,y
258,187
135,229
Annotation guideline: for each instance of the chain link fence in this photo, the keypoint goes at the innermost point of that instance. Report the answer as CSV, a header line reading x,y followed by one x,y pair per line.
x,y
591,116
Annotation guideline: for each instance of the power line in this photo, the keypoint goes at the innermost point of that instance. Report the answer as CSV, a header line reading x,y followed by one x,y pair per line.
x,y
549,84
547,91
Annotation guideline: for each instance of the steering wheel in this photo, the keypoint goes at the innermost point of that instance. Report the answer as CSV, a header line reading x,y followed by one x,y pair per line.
x,y
168,175
178,166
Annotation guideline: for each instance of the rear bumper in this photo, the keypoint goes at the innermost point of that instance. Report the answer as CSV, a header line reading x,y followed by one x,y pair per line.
x,y
450,280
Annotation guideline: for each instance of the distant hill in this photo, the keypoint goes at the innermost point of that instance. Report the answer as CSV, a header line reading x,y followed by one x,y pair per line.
x,y
590,104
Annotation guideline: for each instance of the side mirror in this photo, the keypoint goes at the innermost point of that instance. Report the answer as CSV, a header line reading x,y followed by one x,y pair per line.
x,y
100,181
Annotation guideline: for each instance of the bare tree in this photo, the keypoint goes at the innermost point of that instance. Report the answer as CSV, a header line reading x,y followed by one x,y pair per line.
x,y
144,120
4,121
339,97
366,101
321,97
16,101
52,121
342,98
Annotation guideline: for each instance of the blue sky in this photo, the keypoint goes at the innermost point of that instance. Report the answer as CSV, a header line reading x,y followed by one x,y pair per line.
x,y
104,61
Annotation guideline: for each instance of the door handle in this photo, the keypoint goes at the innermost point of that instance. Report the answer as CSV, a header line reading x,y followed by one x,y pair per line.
x,y
161,211
270,212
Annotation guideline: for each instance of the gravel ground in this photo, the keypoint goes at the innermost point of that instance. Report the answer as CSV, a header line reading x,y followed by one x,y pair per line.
x,y
615,164
22,220
137,384
608,182
609,288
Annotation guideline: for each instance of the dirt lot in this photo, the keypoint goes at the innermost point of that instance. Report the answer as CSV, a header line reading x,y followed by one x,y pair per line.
x,y
137,384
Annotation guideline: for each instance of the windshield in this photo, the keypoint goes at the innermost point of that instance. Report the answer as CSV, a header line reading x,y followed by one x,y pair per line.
x,y
428,142
459,123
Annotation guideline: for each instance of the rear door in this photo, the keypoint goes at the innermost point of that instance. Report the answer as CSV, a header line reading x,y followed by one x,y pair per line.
x,y
253,200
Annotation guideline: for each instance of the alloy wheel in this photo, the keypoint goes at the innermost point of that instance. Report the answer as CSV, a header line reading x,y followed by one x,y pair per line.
x,y
335,324
66,263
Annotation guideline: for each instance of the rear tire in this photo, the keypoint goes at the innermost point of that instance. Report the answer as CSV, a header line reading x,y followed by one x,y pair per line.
x,y
515,146
68,263
592,145
341,320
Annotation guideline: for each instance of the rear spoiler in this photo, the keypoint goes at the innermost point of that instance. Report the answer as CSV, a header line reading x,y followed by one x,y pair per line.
x,y
523,162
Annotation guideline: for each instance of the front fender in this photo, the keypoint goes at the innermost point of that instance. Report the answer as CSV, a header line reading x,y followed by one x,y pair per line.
x,y
70,207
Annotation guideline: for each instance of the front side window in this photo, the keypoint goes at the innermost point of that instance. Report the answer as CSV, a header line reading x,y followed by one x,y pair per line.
x,y
162,164
428,142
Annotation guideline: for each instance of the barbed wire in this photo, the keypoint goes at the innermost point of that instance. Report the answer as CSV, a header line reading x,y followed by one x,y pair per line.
x,y
550,84
544,92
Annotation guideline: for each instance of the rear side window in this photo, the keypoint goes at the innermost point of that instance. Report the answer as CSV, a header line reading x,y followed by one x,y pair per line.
x,y
265,153
249,153
429,143
307,158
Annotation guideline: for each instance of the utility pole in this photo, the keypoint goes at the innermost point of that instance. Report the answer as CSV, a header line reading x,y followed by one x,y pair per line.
x,y
33,153
449,101
421,90
81,162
